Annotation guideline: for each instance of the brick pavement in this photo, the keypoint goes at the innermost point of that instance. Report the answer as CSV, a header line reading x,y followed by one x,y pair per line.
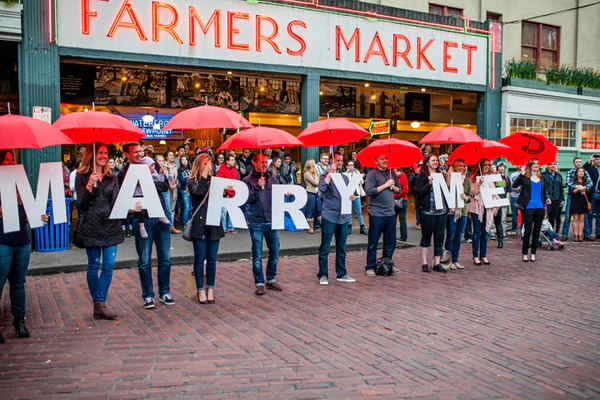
x,y
509,330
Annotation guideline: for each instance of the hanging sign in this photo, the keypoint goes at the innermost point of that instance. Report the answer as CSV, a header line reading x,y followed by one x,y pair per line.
x,y
380,127
42,113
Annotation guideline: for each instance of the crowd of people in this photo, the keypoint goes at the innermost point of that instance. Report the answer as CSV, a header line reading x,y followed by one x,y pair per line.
x,y
182,180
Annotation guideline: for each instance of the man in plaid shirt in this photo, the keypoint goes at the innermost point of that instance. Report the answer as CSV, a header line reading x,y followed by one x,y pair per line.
x,y
577,162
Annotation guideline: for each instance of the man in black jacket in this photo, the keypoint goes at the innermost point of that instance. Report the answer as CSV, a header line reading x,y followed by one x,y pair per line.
x,y
260,184
554,182
593,169
157,233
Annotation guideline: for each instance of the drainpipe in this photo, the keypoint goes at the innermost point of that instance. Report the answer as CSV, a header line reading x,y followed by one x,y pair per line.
x,y
577,35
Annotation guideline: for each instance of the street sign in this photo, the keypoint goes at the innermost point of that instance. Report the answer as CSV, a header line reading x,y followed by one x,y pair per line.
x,y
380,127
42,113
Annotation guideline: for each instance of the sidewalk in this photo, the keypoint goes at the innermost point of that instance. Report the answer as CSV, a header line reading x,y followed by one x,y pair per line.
x,y
231,248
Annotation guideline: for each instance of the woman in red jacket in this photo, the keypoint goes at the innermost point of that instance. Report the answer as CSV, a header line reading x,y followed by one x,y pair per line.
x,y
228,171
401,202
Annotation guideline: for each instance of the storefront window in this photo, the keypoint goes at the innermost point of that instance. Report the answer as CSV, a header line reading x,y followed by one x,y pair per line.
x,y
561,133
590,136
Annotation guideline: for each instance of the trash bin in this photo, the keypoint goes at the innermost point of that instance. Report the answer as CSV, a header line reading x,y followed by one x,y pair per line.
x,y
53,237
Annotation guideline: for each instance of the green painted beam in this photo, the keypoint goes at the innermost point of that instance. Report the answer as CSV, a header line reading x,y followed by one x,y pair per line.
x,y
310,103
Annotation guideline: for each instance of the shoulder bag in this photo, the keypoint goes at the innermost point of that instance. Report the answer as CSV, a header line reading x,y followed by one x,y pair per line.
x,y
588,202
187,231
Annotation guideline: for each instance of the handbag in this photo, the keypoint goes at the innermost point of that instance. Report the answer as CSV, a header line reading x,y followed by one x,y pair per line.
x,y
187,231
384,267
588,202
76,239
191,290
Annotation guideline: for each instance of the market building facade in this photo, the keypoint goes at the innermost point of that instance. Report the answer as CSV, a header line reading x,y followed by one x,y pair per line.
x,y
281,63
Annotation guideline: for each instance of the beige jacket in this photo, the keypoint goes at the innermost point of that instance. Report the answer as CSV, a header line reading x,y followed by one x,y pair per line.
x,y
311,181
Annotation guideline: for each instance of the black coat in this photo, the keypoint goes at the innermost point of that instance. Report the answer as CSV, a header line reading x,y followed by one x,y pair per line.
x,y
525,194
554,187
198,190
422,191
94,229
591,169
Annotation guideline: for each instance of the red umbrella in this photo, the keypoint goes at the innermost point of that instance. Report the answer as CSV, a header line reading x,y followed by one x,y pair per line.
x,y
474,151
97,126
207,117
400,153
20,132
331,132
525,146
260,138
451,135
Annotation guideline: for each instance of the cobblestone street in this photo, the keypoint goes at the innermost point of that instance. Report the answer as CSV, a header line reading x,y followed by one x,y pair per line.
x,y
501,331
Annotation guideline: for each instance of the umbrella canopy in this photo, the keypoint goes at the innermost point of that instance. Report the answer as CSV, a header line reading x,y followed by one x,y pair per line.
x,y
472,152
97,126
260,138
451,135
525,146
400,153
20,132
207,117
331,132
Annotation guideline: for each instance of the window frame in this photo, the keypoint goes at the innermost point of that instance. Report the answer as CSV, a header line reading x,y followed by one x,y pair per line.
x,y
445,10
596,141
492,16
537,49
552,139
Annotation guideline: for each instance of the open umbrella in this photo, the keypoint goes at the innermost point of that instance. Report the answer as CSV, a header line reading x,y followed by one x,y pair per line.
x,y
450,135
400,153
20,132
472,152
98,126
207,117
331,132
525,146
260,138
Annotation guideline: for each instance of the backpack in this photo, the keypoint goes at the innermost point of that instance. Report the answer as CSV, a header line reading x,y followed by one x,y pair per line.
x,y
384,266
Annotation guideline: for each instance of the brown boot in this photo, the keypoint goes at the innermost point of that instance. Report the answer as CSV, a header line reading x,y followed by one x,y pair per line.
x,y
101,311
311,226
175,231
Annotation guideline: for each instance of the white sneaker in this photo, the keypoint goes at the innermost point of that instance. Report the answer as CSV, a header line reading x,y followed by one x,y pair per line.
x,y
165,220
323,281
370,272
346,278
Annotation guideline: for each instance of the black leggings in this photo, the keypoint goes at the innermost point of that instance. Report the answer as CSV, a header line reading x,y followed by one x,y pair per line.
x,y
533,224
433,225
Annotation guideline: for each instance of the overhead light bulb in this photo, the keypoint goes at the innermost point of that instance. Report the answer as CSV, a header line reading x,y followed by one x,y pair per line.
x,y
423,90
85,109
300,118
156,126
367,85
415,124
163,142
148,118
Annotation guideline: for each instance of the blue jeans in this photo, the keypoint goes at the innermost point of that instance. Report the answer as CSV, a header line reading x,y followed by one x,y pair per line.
x,y
206,249
480,236
358,211
595,214
328,230
157,233
165,196
377,226
454,231
313,206
567,220
13,266
99,285
186,205
514,214
257,232
225,220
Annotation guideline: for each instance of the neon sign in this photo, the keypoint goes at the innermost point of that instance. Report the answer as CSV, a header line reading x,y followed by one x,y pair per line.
x,y
152,134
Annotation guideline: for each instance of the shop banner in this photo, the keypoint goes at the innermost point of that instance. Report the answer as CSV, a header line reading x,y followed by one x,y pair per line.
x,y
252,32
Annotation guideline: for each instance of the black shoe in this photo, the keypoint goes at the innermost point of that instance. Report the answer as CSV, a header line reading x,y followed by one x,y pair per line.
x,y
426,268
586,239
597,236
20,329
127,231
167,300
439,268
363,231
500,244
149,303
2,339
349,229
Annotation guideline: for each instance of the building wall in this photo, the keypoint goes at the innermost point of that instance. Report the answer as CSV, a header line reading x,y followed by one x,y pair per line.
x,y
579,29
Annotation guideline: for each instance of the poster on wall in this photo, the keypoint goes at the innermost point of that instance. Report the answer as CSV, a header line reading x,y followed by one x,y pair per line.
x,y
193,89
337,100
380,103
269,95
417,106
77,83
130,87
